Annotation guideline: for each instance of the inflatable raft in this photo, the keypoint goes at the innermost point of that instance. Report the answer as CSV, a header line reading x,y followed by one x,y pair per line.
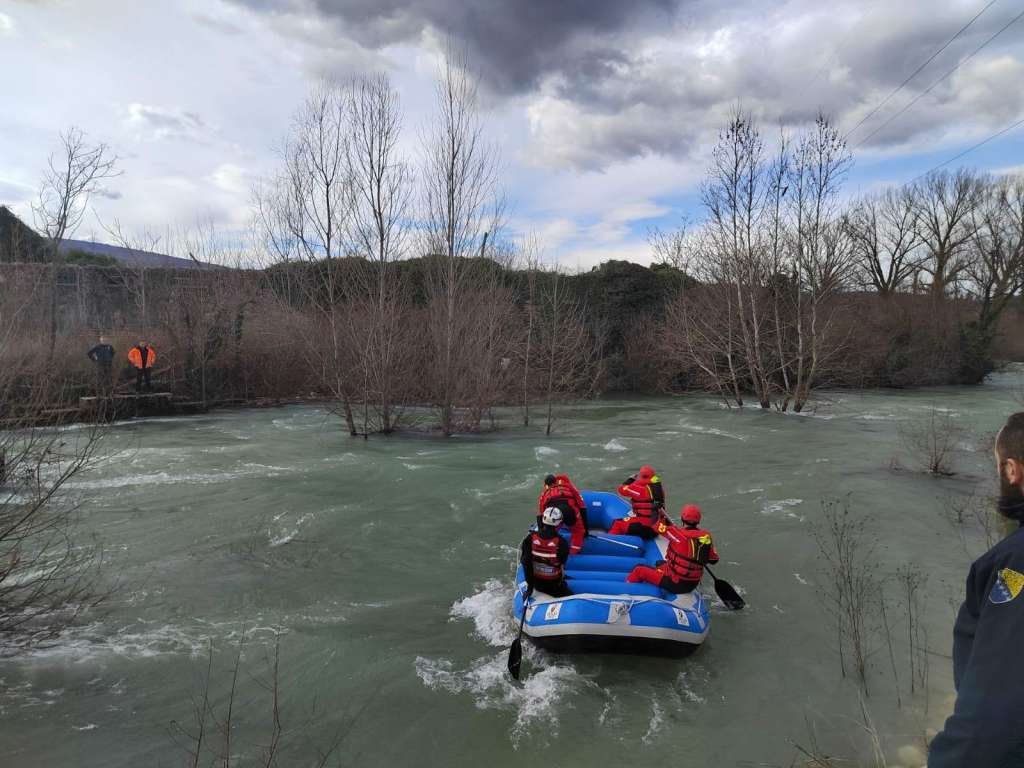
x,y
605,613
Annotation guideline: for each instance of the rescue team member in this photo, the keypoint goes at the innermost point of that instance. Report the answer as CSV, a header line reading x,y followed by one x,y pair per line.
x,y
986,728
142,356
643,521
543,554
102,354
559,492
689,549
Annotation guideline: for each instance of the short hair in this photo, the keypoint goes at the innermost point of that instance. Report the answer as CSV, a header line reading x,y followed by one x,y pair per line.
x,y
549,480
1010,440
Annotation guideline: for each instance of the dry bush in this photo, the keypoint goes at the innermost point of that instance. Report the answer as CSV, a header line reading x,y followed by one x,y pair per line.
x,y
851,589
933,440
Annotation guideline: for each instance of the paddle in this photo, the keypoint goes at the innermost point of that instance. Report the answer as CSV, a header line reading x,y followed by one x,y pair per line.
x,y
515,653
613,541
726,593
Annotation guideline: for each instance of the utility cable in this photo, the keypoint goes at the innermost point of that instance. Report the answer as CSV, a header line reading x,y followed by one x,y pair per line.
x,y
936,83
917,71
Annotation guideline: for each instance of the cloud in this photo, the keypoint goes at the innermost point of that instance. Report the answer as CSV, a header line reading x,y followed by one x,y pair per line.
x,y
603,81
514,44
13,192
6,24
160,123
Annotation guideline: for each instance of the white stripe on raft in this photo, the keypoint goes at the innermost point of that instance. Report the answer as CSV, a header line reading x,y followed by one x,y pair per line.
x,y
608,630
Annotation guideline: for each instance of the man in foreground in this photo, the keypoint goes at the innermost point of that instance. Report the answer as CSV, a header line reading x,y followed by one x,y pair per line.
x,y
986,729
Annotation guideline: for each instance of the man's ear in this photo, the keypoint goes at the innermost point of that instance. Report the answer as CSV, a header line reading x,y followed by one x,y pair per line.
x,y
1014,471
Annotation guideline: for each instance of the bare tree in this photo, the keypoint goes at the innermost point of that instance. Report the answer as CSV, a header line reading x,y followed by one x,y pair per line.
x,y
735,199
994,272
568,359
883,229
74,173
821,257
304,218
379,231
461,208
944,203
49,571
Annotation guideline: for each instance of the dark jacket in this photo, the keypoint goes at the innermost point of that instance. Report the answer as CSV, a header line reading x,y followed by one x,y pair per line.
x,y
986,729
102,354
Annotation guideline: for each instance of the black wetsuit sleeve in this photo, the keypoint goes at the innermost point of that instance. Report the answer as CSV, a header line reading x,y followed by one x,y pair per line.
x,y
92,353
986,729
526,559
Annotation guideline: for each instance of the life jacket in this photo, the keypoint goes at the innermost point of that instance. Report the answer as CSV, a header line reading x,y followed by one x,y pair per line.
x,y
689,550
544,553
642,500
135,357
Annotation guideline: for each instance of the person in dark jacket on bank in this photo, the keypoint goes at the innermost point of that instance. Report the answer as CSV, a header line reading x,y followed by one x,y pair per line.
x,y
102,354
986,729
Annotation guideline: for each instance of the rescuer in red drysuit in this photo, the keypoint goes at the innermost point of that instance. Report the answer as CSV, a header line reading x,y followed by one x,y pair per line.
x,y
559,492
543,554
689,549
643,521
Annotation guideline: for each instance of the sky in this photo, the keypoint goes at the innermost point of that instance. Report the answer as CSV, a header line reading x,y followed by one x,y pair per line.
x,y
604,111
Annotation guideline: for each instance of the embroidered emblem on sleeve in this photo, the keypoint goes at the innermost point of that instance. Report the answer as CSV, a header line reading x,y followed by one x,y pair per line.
x,y
1008,585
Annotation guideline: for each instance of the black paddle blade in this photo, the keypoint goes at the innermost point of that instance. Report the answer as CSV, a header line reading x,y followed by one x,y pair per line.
x,y
728,595
515,658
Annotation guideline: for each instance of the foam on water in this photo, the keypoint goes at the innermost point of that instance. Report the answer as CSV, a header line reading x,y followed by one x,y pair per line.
x,y
536,701
702,430
83,643
615,446
541,451
546,687
782,505
490,609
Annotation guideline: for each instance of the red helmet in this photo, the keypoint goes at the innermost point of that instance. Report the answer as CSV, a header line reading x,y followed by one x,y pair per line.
x,y
646,472
690,514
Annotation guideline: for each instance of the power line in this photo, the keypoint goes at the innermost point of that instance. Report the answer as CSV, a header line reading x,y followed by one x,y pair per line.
x,y
917,71
933,85
953,159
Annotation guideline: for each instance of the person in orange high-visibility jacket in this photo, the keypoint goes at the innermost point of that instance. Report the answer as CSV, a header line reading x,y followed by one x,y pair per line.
x,y
643,521
689,549
559,492
142,356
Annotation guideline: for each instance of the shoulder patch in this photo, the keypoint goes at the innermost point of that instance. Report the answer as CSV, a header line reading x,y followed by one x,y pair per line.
x,y
1008,585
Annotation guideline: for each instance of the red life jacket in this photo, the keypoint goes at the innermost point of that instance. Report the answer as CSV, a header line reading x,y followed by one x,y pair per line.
x,y
688,550
544,553
645,508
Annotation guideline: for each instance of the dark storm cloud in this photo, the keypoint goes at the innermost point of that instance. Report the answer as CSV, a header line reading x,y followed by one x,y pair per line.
x,y
609,80
512,44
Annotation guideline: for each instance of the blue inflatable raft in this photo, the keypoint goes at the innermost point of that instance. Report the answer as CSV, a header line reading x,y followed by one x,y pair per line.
x,y
605,613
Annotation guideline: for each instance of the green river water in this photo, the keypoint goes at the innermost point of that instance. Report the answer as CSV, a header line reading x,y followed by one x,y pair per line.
x,y
386,567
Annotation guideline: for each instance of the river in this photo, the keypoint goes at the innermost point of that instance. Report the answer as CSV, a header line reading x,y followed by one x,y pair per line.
x,y
384,567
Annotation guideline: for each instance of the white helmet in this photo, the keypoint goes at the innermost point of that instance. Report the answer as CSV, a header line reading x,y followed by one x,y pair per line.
x,y
552,516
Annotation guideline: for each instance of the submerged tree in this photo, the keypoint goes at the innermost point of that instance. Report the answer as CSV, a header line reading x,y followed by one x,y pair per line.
x,y
461,208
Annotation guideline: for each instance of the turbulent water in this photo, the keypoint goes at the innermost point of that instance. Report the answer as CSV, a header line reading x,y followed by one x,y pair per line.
x,y
384,569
